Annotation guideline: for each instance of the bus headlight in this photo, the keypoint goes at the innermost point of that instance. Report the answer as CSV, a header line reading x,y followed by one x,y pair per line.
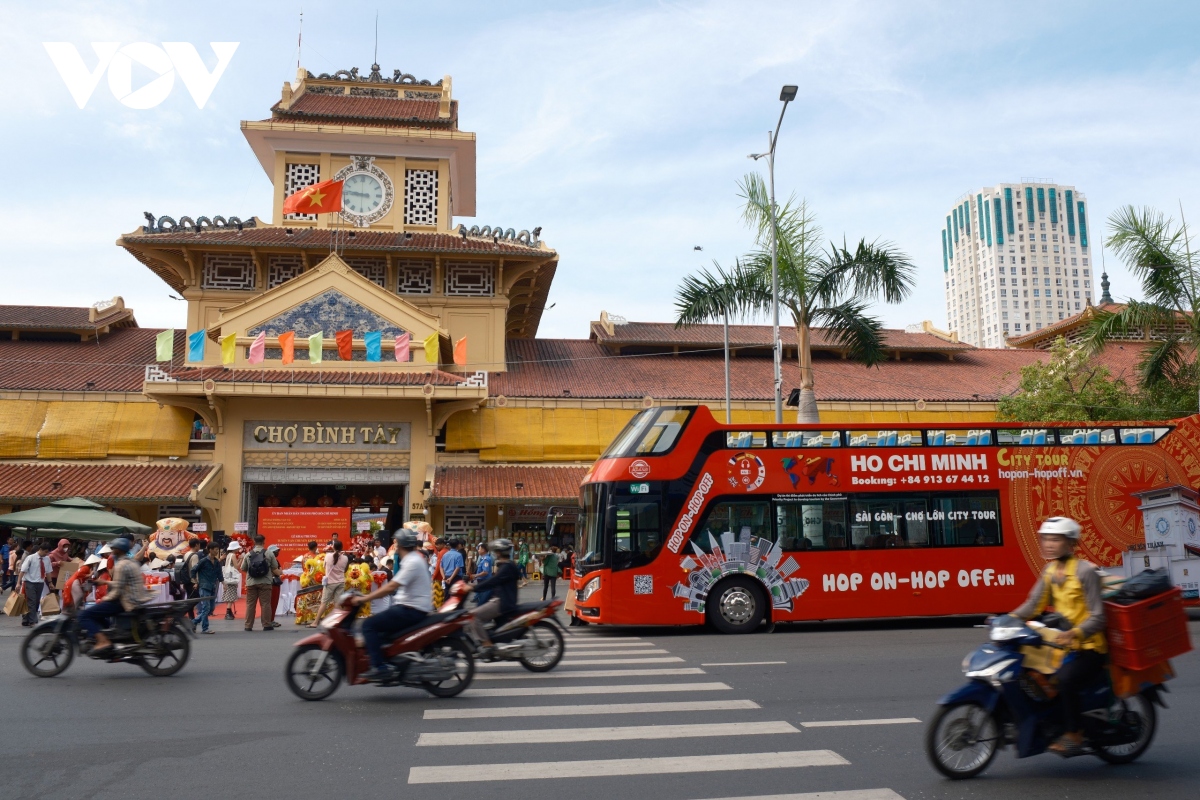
x,y
588,590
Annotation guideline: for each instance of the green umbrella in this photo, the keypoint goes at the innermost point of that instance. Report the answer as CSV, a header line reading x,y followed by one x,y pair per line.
x,y
75,515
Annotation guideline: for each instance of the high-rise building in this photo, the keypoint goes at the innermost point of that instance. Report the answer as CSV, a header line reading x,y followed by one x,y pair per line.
x,y
1016,259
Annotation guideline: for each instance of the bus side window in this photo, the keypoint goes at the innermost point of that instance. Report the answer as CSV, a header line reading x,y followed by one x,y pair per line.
x,y
731,521
883,522
965,520
814,525
636,531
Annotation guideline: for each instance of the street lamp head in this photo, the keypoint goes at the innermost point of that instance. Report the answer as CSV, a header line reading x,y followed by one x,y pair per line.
x,y
757,156
788,94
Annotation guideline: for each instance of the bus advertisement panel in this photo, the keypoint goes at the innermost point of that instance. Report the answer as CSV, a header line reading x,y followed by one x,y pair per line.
x,y
686,521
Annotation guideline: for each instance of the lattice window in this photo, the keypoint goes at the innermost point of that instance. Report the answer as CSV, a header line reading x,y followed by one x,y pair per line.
x,y
298,176
281,269
420,196
231,271
471,278
414,276
373,269
463,519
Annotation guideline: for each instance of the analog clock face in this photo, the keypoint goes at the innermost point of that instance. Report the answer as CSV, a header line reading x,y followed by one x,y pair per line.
x,y
362,194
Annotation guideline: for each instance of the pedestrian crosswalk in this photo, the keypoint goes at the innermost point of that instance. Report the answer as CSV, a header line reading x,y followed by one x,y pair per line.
x,y
628,672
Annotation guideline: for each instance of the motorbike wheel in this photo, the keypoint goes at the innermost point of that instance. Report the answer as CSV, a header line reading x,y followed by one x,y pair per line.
x,y
464,667
166,653
306,684
1139,713
737,605
550,644
46,653
962,739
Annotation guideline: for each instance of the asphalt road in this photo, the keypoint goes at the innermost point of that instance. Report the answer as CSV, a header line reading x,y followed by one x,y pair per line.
x,y
227,726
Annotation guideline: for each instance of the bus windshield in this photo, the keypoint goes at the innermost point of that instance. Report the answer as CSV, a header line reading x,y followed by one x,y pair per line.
x,y
651,433
590,540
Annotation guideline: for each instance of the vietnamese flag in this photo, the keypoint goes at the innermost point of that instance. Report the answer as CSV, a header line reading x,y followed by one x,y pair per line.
x,y
287,343
320,198
345,345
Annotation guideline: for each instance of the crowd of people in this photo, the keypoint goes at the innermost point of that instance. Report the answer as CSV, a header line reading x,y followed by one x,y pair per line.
x,y
217,574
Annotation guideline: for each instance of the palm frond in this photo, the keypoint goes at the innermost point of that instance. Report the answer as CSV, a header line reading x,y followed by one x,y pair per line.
x,y
873,269
708,295
850,327
1163,361
1155,250
1136,317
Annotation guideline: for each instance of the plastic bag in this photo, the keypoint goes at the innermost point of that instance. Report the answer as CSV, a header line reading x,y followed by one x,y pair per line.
x,y
1145,584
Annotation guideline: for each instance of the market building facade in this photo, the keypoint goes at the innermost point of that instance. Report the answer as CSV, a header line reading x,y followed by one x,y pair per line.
x,y
488,443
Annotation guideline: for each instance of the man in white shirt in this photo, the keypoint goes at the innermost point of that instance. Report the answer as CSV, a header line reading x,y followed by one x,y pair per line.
x,y
34,570
412,601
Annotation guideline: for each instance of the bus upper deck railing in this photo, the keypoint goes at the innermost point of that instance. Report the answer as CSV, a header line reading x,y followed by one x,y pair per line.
x,y
944,437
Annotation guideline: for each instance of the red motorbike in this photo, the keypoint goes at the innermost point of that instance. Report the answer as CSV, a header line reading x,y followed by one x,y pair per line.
x,y
433,655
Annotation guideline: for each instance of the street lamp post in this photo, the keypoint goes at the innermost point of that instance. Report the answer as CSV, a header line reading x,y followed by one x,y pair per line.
x,y
787,95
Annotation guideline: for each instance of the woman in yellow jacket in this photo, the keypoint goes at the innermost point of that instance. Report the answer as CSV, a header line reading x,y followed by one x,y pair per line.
x,y
1073,588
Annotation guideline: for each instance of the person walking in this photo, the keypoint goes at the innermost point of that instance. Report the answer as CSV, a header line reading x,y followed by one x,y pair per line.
x,y
5,552
187,573
34,571
231,581
276,588
550,573
523,563
259,567
209,575
335,580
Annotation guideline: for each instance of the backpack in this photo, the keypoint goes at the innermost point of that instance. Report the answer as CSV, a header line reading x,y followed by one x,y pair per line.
x,y
183,574
258,566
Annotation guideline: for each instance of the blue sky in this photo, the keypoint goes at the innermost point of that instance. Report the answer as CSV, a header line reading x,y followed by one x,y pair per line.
x,y
620,128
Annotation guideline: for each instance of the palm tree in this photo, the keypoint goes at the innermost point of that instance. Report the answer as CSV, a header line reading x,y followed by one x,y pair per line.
x,y
1158,252
829,289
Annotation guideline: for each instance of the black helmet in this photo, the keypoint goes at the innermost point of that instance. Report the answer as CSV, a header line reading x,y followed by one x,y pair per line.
x,y
122,544
406,539
501,546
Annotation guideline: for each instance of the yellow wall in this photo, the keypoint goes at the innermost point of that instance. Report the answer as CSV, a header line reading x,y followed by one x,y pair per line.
x,y
92,430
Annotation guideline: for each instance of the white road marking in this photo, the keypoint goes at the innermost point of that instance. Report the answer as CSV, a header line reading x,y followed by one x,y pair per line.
x,y
633,688
590,673
604,651
581,662
596,637
845,723
847,794
619,643
605,734
580,710
728,762
740,663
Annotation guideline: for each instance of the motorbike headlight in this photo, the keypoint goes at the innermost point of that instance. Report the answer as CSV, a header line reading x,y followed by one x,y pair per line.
x,y
589,589
992,672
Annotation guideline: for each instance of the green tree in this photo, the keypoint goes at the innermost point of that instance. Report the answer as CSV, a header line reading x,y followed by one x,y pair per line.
x,y
1158,252
829,289
1069,386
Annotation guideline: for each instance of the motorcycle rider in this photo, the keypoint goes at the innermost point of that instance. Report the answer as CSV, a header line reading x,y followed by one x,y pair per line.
x,y
412,600
1073,588
503,585
126,591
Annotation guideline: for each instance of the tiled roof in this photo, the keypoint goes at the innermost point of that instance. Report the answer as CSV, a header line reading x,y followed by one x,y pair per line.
x,y
366,110
313,238
1063,325
112,363
368,377
506,484
575,368
103,483
665,333
58,318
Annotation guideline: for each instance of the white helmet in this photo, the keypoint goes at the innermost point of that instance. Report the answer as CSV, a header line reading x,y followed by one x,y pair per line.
x,y
1061,526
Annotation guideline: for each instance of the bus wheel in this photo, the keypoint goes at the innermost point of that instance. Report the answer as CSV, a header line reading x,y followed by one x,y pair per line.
x,y
736,605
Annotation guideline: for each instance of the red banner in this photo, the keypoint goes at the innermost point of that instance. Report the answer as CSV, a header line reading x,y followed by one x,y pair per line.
x,y
293,528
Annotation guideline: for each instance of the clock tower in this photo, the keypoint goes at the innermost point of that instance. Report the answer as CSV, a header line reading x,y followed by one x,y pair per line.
x,y
394,140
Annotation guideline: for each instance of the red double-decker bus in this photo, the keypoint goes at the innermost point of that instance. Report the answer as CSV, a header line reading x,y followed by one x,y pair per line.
x,y
686,521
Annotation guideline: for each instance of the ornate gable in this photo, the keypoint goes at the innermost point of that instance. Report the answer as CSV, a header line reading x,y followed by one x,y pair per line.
x,y
329,311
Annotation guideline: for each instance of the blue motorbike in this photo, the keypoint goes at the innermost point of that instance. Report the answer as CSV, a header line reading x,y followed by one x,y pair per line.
x,y
1011,699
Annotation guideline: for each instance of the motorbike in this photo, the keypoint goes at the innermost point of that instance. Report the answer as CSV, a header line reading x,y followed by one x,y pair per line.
x,y
156,638
529,633
1011,698
433,655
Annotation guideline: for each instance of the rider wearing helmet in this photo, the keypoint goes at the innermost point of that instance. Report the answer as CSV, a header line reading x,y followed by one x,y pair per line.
x,y
126,591
503,585
1073,588
412,600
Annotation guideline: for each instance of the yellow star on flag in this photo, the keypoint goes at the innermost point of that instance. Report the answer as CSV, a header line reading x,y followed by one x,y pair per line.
x,y
315,196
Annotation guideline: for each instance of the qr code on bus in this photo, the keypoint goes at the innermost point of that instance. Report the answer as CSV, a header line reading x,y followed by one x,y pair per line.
x,y
643,584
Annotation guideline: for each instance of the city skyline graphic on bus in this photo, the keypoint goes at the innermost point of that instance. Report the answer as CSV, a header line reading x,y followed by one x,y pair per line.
x,y
742,554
